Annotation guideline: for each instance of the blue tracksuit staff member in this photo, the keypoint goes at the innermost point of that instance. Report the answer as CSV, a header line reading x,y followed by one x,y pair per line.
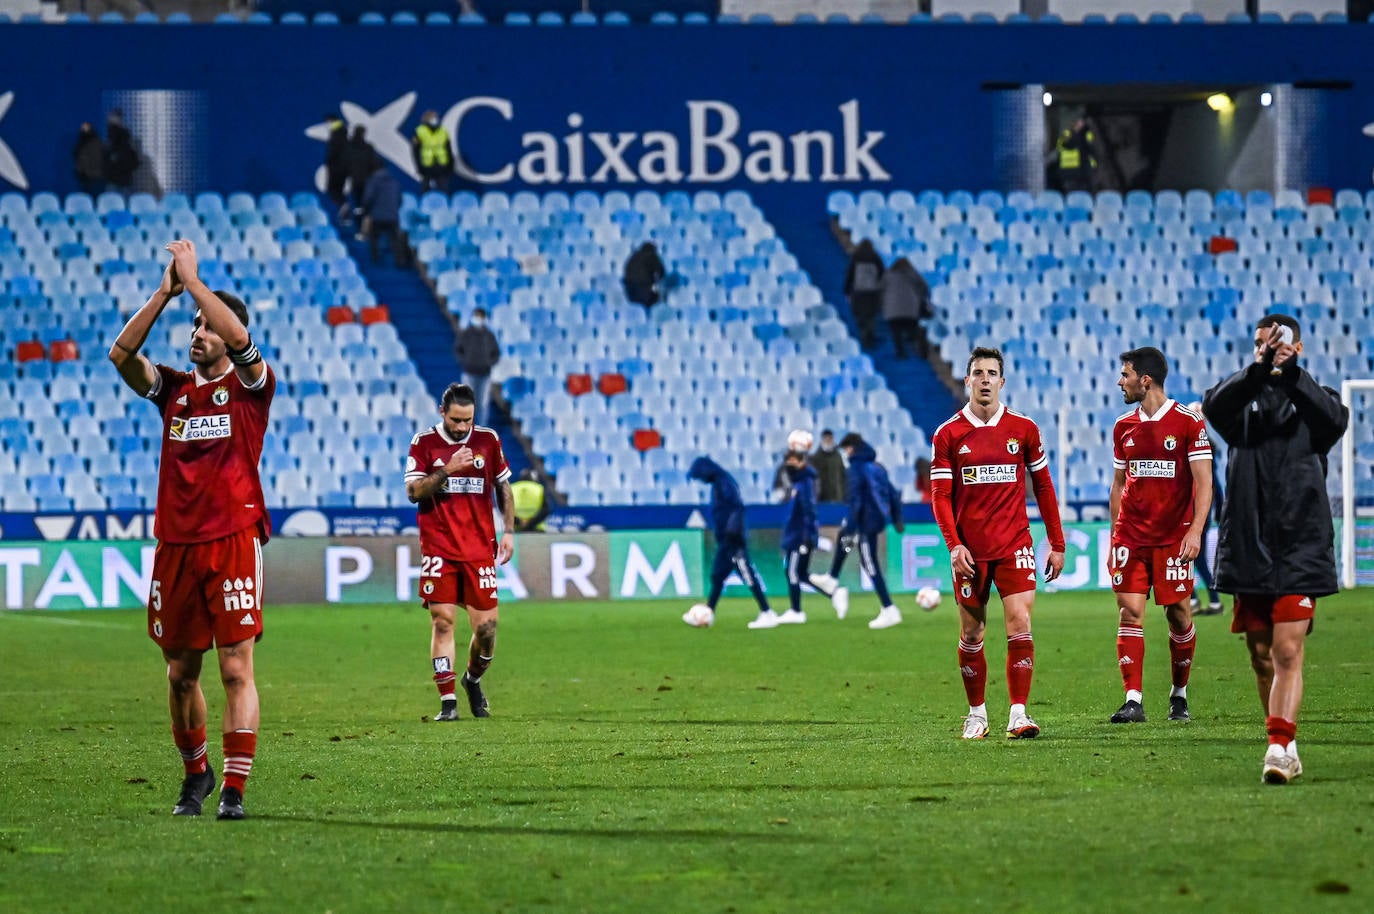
x,y
800,533
732,545
873,503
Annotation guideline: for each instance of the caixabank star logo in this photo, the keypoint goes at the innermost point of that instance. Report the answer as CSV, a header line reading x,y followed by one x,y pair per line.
x,y
10,169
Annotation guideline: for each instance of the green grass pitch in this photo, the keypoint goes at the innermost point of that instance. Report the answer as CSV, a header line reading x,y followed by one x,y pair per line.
x,y
633,764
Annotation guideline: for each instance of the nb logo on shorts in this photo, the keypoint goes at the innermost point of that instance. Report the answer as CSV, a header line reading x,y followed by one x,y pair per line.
x,y
486,577
238,594
1025,558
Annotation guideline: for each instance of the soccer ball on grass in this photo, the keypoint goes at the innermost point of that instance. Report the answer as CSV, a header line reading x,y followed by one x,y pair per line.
x,y
928,598
699,616
800,440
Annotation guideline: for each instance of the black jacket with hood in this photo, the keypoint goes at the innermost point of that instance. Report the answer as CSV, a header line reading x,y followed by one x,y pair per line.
x,y
1276,535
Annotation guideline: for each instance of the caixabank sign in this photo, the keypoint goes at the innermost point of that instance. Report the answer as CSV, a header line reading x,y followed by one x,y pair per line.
x,y
796,111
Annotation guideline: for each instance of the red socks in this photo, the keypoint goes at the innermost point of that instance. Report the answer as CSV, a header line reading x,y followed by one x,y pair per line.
x,y
1020,667
239,749
973,666
1181,655
1281,732
1130,655
191,745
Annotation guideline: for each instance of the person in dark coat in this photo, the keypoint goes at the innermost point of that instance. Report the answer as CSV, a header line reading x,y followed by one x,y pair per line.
x,y
382,214
863,285
644,272
88,158
800,533
906,299
361,160
1275,548
336,162
726,510
121,158
830,471
478,351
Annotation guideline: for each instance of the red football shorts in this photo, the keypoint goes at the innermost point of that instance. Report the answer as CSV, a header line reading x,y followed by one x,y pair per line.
x,y
470,584
1137,569
205,594
1258,612
1012,575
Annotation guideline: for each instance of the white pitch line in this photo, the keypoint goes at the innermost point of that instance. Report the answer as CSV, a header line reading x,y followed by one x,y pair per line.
x,y
57,620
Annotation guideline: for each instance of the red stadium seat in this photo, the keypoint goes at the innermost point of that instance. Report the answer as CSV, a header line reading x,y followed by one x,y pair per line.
x,y
63,351
612,383
579,384
376,314
340,314
646,439
1317,195
29,351
1220,244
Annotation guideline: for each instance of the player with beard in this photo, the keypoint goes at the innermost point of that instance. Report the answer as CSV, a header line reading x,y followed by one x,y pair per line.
x,y
453,471
210,521
1161,493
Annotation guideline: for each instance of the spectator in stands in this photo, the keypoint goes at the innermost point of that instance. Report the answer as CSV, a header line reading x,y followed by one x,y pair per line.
x,y
382,214
336,163
830,470
906,299
361,160
732,540
532,504
643,275
88,157
863,285
478,351
433,152
1075,159
121,158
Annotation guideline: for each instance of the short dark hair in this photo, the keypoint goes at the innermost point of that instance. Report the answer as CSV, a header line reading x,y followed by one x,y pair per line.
x,y
1147,360
853,439
985,352
1283,320
235,304
827,432
457,393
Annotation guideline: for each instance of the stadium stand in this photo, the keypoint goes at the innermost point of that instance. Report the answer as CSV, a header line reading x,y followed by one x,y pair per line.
x,y
741,352
72,271
1064,283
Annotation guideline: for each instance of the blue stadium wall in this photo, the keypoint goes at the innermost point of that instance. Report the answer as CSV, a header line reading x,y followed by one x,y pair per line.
x,y
231,108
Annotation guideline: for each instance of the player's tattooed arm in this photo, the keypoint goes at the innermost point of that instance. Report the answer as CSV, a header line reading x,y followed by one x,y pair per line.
x,y
505,499
418,490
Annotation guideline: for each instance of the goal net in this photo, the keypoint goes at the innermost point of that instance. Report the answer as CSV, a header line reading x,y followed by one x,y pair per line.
x,y
1356,482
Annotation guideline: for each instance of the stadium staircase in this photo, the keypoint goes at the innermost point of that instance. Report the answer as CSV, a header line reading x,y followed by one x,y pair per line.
x,y
427,333
918,388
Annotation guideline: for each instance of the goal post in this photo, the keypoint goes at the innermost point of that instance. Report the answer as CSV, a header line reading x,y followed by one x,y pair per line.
x,y
1349,471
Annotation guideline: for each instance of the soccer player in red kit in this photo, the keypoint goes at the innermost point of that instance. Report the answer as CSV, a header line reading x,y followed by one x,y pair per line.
x,y
453,471
1161,493
210,521
978,494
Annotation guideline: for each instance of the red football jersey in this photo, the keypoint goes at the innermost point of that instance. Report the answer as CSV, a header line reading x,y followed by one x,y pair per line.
x,y
1156,453
458,523
984,464
208,485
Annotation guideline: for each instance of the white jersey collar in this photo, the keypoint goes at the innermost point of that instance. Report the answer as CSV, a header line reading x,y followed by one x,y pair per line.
x,y
1163,410
979,423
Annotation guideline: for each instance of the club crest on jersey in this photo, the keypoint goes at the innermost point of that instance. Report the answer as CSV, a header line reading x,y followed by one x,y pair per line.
x,y
220,396
479,461
1013,445
428,588
1116,579
1170,442
965,590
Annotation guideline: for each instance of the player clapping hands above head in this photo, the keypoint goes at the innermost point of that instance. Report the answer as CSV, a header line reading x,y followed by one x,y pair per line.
x,y
210,521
